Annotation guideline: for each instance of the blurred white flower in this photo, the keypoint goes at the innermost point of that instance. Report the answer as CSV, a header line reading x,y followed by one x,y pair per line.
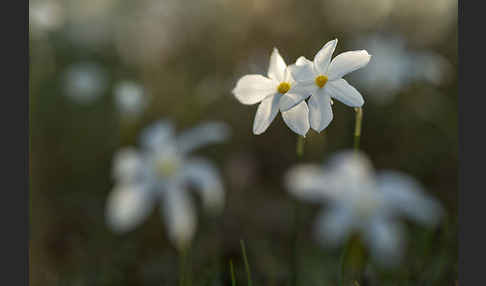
x,y
162,170
395,67
130,98
44,16
271,92
362,202
322,79
84,82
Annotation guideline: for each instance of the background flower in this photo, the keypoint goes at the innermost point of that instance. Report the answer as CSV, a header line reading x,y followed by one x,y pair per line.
x,y
360,202
162,171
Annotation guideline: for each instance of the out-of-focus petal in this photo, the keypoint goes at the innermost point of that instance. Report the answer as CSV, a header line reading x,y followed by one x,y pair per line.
x,y
277,66
127,206
297,118
323,57
334,226
207,181
341,90
309,182
179,215
405,195
266,112
127,164
253,88
199,136
320,111
158,135
347,62
386,241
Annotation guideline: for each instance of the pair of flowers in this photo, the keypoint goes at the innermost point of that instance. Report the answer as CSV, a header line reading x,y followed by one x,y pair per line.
x,y
286,89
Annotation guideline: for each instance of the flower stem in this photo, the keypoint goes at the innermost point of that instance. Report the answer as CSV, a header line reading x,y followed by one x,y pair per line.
x,y
182,266
295,245
357,127
247,266
300,146
232,271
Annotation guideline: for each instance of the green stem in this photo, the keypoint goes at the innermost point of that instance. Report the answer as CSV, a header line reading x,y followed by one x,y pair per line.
x,y
357,127
300,146
247,266
232,271
295,245
182,266
342,262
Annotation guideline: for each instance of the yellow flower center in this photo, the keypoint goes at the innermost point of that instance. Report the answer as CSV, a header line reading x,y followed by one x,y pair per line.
x,y
283,87
321,80
167,167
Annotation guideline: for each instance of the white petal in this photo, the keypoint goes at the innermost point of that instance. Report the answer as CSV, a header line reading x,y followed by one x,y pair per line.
x,y
158,135
277,66
308,182
253,88
291,99
323,57
297,118
341,90
334,226
405,195
347,62
320,111
266,112
386,240
303,70
127,164
201,135
127,206
179,215
207,181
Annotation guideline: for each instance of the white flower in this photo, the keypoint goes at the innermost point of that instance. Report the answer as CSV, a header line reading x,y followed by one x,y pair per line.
x,y
162,170
395,67
271,92
130,98
84,82
322,78
363,203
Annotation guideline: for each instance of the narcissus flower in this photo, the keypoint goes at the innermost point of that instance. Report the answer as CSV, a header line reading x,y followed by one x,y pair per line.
x,y
364,203
272,92
162,171
322,79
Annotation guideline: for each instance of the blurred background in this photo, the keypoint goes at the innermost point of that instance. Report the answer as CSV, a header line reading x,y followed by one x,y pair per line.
x,y
102,70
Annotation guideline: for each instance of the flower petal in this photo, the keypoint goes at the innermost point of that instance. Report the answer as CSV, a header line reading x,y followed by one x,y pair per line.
x,y
323,57
320,111
341,90
127,164
179,216
404,194
303,70
127,206
253,88
199,136
291,99
266,112
385,239
334,226
297,118
207,181
277,66
347,62
158,135
308,182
